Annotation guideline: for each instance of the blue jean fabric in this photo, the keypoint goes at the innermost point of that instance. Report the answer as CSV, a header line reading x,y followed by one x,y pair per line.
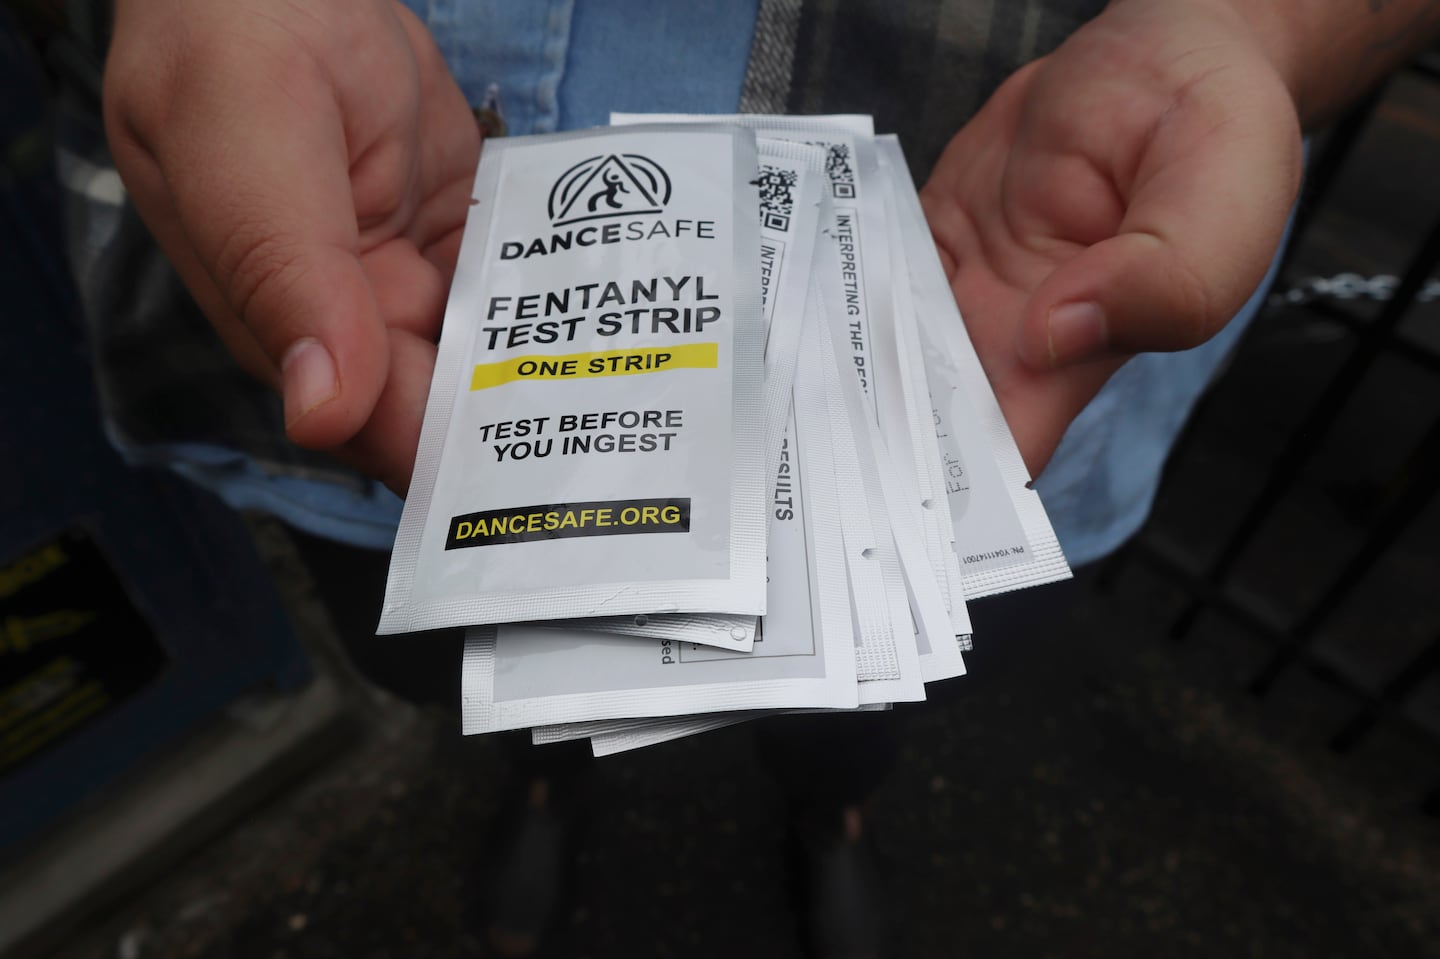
x,y
519,49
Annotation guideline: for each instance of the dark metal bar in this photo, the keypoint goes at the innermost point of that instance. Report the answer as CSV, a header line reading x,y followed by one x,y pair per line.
x,y
1306,439
1374,705
1423,357
1420,477
1427,65
1167,563
1111,566
1331,155
1392,695
1254,620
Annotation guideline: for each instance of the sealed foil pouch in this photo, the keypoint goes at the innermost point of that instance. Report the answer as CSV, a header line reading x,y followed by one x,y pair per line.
x,y
593,439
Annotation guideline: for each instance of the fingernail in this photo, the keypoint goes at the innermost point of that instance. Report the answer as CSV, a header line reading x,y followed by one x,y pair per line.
x,y
1077,332
307,375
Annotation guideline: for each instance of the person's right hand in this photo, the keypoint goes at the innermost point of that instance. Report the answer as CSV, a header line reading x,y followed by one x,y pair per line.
x,y
307,169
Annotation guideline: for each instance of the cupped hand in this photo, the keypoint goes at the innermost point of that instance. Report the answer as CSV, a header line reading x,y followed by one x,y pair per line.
x,y
1125,193
307,169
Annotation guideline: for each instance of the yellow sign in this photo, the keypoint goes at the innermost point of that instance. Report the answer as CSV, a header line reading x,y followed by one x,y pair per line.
x,y
574,366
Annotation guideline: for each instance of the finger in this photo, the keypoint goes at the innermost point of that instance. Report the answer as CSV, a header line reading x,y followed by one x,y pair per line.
x,y
442,213
444,253
409,289
1202,221
1040,408
258,173
386,447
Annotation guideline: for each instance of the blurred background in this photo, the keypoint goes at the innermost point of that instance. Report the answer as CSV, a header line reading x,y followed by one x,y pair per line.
x,y
1225,740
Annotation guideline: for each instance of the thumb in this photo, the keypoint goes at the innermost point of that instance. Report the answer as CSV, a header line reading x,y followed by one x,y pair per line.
x,y
1197,236
257,167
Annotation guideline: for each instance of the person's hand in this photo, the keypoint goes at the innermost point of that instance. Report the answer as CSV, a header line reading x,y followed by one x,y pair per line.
x,y
307,169
1125,193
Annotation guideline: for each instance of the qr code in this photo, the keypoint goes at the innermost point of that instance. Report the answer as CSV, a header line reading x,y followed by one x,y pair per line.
x,y
841,173
777,197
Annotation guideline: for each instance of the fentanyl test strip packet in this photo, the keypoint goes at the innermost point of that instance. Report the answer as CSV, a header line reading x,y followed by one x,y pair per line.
x,y
871,479
599,377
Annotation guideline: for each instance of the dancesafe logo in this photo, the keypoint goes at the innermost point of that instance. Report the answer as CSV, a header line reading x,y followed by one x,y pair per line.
x,y
617,184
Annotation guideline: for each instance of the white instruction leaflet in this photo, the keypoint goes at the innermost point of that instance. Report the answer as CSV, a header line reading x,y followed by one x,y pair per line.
x,y
1002,535
593,438
522,676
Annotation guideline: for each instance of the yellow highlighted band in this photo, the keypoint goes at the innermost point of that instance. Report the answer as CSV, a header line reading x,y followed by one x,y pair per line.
x,y
574,366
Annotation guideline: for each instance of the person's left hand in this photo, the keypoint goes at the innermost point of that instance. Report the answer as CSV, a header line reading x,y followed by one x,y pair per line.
x,y
1125,193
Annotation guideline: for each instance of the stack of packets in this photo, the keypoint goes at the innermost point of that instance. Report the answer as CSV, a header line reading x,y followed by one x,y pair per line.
x,y
707,439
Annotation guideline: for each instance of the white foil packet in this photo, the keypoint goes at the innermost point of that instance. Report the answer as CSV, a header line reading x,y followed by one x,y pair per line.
x,y
1002,535
925,480
593,437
